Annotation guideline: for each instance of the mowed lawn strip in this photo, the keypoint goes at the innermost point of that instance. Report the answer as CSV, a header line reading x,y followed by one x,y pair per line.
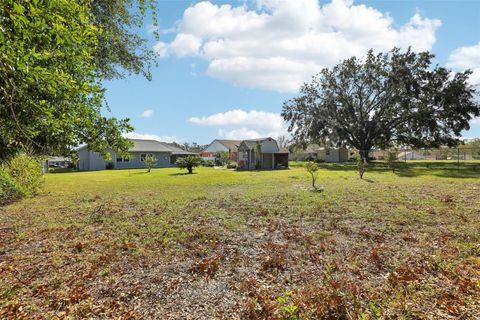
x,y
246,245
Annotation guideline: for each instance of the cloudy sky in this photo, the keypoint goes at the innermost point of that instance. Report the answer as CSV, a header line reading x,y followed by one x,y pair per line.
x,y
225,68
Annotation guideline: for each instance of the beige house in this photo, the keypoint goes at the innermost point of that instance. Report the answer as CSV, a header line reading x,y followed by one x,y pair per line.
x,y
332,154
262,153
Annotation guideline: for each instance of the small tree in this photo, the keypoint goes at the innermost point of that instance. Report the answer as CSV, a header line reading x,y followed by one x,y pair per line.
x,y
392,159
188,163
312,169
222,157
150,161
361,164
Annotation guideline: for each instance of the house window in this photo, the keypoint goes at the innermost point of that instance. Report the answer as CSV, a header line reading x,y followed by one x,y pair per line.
x,y
327,152
121,159
143,156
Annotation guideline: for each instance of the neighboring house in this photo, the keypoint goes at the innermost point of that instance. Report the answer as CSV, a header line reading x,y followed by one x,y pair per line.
x,y
217,145
333,154
411,155
261,153
166,156
58,162
310,153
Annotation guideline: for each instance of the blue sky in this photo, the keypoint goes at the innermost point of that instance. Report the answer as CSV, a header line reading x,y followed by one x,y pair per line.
x,y
225,68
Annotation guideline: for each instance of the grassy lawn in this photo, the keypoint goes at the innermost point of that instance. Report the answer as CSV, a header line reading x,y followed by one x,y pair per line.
x,y
222,244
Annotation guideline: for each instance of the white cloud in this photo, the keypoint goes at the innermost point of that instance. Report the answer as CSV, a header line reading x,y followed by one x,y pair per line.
x,y
281,44
135,135
241,124
238,118
466,58
147,113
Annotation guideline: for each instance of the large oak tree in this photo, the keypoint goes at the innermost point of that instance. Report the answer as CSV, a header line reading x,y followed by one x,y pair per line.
x,y
394,98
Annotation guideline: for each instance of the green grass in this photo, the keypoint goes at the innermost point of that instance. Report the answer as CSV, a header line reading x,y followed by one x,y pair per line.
x,y
114,243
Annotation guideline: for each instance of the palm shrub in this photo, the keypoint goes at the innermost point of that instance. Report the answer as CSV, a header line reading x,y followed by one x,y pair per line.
x,y
188,162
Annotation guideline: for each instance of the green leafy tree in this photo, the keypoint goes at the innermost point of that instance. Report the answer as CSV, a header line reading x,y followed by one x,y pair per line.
x,y
150,161
391,159
119,50
223,157
312,168
53,55
396,97
361,163
188,162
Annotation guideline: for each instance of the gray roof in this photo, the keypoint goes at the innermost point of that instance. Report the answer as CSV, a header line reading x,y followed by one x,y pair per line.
x,y
232,145
252,142
143,145
140,145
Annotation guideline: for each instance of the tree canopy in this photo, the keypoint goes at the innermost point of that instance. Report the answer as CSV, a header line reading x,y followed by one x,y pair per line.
x,y
53,56
394,98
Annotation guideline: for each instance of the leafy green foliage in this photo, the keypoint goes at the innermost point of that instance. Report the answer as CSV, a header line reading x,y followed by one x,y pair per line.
x,y
21,176
312,169
50,94
209,163
391,159
150,161
188,162
120,51
371,102
232,165
222,157
361,163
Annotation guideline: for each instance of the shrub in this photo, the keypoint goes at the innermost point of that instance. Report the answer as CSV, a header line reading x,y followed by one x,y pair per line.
x,y
109,166
150,161
361,164
8,188
222,157
209,163
22,176
188,163
232,165
391,159
312,168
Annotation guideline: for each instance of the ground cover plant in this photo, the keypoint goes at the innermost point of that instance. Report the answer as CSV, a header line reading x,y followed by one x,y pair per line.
x,y
246,245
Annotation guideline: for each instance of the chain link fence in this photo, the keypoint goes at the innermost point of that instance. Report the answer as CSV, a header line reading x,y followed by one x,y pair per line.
x,y
457,155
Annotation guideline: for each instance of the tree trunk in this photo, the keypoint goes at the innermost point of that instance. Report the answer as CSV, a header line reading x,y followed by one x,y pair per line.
x,y
190,169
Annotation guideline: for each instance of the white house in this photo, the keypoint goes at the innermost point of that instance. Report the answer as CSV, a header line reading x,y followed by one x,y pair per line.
x,y
262,153
333,154
217,145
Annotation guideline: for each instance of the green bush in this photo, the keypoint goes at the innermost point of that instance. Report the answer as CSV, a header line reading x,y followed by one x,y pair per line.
x,y
22,176
8,188
109,166
232,165
209,163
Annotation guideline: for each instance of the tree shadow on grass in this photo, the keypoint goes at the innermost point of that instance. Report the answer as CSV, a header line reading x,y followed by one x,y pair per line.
x,y
182,174
368,180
